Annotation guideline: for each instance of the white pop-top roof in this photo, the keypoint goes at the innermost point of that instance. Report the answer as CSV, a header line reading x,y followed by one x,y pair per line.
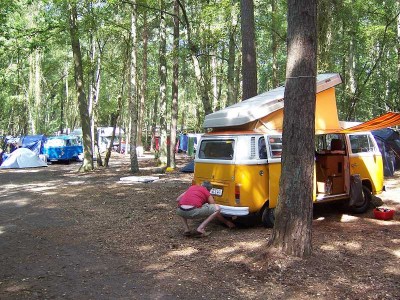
x,y
261,105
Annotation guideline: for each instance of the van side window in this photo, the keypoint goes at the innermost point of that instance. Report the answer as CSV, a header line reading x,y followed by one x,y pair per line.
x,y
361,143
275,145
216,149
330,143
262,148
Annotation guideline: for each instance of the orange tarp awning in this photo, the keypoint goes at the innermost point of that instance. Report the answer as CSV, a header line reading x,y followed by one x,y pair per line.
x,y
387,120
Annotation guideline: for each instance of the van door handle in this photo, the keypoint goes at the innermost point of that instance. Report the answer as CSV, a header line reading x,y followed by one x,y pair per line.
x,y
261,173
354,165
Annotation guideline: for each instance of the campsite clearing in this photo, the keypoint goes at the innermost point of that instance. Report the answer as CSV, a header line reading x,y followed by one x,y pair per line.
x,y
67,235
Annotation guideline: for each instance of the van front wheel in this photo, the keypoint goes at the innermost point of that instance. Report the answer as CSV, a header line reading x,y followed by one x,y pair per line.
x,y
268,217
363,207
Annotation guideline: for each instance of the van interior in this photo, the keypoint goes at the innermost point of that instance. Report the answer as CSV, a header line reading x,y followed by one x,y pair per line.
x,y
330,157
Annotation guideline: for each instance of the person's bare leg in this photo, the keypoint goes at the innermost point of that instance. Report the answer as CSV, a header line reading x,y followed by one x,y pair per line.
x,y
185,224
202,226
225,221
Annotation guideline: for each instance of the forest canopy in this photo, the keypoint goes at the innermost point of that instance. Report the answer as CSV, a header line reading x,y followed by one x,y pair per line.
x,y
358,39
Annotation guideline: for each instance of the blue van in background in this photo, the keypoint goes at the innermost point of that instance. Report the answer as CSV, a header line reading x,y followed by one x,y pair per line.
x,y
62,148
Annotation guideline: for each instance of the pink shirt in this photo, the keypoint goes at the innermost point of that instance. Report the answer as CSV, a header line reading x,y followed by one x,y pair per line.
x,y
196,196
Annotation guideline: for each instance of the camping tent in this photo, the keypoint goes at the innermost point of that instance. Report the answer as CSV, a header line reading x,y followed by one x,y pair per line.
x,y
389,141
34,143
22,158
189,168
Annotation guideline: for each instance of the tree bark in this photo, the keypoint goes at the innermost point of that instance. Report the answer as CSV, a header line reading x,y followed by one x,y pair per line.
x,y
199,73
144,80
293,216
87,164
175,77
163,85
325,12
249,62
114,122
133,93
231,71
274,45
398,57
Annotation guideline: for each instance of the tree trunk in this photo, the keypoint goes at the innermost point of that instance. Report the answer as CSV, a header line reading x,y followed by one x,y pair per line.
x,y
398,58
91,92
144,80
30,94
133,93
200,77
175,77
231,70
352,79
163,86
87,164
114,122
237,81
293,216
38,91
325,12
249,62
274,45
96,94
214,80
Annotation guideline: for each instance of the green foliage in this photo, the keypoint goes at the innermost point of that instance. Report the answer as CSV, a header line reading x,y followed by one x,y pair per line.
x,y
32,30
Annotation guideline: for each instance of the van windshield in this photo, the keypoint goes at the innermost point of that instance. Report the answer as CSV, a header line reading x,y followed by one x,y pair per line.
x,y
217,149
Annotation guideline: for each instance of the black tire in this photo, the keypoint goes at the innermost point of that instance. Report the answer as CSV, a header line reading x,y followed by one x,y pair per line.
x,y
362,208
268,217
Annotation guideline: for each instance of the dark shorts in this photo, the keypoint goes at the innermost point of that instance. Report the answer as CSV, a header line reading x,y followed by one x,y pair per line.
x,y
204,211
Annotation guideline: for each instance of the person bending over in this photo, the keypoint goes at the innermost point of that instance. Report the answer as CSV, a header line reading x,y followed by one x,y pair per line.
x,y
197,202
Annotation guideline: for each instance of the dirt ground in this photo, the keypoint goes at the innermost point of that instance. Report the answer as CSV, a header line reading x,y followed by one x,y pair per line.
x,y
65,235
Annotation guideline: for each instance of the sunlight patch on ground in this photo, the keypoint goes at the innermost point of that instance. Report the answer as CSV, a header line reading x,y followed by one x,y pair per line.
x,y
2,229
164,275
10,186
348,218
382,222
396,241
248,293
396,253
337,245
81,182
225,250
238,246
158,267
162,205
17,288
19,203
394,270
250,245
183,252
41,188
328,247
238,258
352,246
146,248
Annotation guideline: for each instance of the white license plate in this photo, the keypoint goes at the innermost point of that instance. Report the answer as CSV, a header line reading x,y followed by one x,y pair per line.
x,y
216,192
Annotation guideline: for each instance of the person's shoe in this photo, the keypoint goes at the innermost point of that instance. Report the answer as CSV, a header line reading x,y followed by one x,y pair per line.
x,y
198,234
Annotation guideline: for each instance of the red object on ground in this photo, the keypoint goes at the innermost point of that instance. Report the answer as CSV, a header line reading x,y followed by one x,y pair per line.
x,y
383,213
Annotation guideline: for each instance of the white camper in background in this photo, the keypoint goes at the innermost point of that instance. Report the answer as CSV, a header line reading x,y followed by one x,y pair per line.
x,y
104,135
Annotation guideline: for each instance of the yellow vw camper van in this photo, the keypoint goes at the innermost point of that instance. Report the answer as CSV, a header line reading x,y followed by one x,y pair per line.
x,y
241,155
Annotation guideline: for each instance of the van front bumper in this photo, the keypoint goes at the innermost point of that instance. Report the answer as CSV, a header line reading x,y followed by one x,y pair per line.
x,y
234,210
